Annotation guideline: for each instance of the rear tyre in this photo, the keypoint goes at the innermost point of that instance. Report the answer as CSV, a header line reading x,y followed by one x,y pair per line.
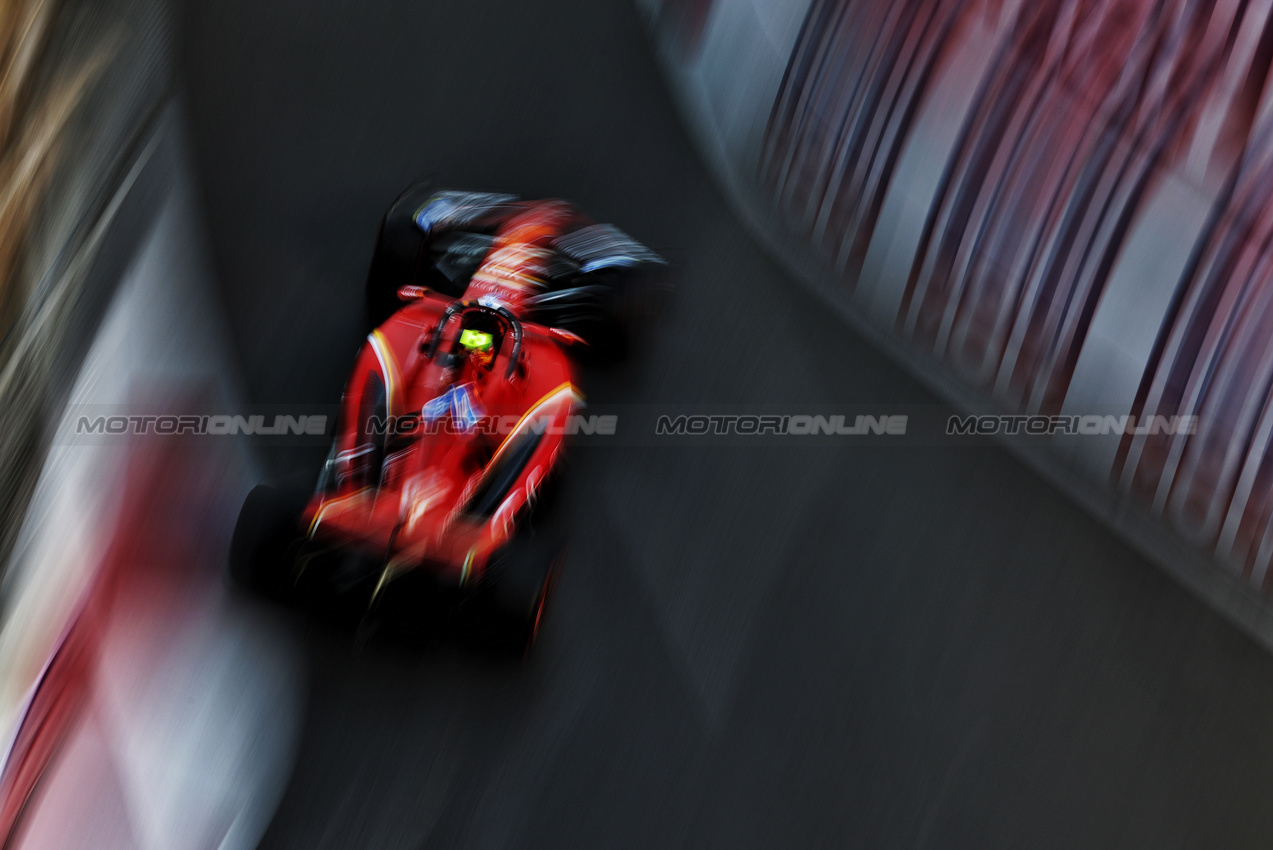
x,y
607,339
264,537
400,257
601,308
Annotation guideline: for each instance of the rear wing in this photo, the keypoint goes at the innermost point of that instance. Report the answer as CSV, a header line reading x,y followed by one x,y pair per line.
x,y
452,210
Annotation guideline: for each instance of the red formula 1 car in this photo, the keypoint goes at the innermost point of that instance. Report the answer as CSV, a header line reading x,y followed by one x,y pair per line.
x,y
453,421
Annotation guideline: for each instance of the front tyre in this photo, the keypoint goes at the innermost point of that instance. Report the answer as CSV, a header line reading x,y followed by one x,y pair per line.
x,y
521,583
264,536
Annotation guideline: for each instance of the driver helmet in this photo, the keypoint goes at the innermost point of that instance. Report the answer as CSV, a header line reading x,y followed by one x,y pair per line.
x,y
479,346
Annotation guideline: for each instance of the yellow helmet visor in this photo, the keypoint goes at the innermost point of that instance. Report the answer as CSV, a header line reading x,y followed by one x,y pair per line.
x,y
476,340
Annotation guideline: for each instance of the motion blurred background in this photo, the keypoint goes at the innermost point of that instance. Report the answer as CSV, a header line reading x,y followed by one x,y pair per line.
x,y
934,206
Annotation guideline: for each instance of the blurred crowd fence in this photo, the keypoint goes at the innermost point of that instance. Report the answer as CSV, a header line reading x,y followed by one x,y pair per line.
x,y
1043,207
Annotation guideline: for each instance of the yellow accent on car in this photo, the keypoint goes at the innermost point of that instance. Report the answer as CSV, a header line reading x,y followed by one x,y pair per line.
x,y
551,396
389,368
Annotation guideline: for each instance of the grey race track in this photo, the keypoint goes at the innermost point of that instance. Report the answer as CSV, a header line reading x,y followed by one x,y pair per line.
x,y
778,647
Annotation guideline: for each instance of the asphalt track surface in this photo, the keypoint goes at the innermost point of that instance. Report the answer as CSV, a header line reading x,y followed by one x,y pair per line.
x,y
777,647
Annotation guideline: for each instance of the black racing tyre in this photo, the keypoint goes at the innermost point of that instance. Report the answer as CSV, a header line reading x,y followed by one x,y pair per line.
x,y
607,341
264,536
601,308
521,583
400,257
370,440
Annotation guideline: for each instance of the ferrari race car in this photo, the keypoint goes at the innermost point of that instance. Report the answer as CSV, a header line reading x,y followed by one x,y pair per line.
x,y
453,423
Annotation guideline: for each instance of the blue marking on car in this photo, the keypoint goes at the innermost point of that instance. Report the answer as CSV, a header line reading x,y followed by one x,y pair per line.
x,y
457,402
